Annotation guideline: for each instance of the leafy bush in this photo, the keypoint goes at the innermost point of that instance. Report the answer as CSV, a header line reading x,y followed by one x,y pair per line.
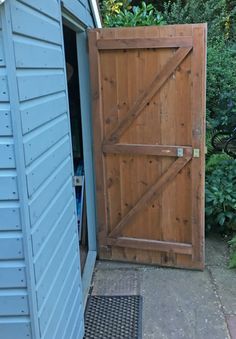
x,y
215,160
221,64
126,16
221,196
220,15
110,8
221,85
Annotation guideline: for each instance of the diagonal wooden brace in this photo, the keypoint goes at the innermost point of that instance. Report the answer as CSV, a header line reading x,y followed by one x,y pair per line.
x,y
151,193
148,94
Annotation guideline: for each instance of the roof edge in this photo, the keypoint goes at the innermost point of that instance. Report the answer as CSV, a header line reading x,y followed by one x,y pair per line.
x,y
96,13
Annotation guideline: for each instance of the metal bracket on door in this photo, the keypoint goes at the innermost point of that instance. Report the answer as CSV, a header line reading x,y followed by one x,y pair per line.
x,y
180,152
78,180
196,153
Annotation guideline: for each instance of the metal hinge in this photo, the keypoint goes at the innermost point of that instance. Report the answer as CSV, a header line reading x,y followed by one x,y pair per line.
x,y
180,152
196,153
78,180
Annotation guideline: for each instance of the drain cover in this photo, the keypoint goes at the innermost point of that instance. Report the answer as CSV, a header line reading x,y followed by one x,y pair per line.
x,y
113,317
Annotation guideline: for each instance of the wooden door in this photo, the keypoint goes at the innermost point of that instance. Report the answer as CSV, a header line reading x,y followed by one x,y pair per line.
x,y
148,93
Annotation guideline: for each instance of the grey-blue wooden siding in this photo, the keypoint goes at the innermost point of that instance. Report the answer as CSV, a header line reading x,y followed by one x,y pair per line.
x,y
40,284
14,303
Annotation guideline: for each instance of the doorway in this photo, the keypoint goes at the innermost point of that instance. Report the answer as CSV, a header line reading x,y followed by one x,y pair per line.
x,y
78,87
76,137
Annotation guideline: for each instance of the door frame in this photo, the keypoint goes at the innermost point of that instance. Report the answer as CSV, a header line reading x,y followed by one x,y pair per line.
x,y
86,115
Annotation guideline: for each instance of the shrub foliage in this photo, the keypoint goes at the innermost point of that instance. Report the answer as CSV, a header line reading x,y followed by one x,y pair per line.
x,y
221,63
116,14
221,195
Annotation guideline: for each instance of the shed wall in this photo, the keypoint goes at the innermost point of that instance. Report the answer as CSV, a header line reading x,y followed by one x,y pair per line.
x,y
14,303
46,289
81,10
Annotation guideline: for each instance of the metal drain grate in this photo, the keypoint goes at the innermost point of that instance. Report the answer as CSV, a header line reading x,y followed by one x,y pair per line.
x,y
113,317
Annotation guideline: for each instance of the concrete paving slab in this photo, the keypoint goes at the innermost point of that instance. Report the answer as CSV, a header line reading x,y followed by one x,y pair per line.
x,y
178,303
225,280
181,304
116,282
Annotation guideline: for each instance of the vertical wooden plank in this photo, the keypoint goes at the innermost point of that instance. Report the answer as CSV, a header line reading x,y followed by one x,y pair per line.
x,y
134,169
127,91
109,83
183,134
168,117
123,106
98,137
131,170
152,135
198,141
184,131
120,163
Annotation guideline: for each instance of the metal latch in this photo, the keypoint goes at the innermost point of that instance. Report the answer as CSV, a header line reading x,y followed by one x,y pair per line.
x,y
78,180
180,152
196,152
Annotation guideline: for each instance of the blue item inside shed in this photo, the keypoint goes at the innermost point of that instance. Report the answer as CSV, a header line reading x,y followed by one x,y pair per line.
x,y
80,194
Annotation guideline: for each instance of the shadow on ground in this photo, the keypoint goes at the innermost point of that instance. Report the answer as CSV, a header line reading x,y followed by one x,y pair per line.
x,y
178,303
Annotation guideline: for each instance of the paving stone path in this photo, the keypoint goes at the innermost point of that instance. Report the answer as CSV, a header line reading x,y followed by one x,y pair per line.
x,y
178,303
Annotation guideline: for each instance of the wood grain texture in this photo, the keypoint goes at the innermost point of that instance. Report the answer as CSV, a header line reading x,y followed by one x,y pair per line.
x,y
98,134
148,105
148,93
144,43
151,193
198,141
150,245
161,150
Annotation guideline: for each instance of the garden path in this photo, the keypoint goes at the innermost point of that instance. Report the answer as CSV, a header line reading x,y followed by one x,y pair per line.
x,y
178,303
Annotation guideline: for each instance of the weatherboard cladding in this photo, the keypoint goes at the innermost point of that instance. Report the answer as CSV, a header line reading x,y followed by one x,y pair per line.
x,y
44,131
80,9
56,261
14,306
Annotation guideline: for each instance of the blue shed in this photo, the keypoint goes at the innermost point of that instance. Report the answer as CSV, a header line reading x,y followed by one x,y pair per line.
x,y
43,279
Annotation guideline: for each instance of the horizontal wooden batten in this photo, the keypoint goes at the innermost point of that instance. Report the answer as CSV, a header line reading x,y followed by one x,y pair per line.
x,y
144,244
143,43
161,150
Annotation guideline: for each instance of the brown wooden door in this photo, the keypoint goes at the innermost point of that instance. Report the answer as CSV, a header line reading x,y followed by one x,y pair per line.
x,y
148,93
